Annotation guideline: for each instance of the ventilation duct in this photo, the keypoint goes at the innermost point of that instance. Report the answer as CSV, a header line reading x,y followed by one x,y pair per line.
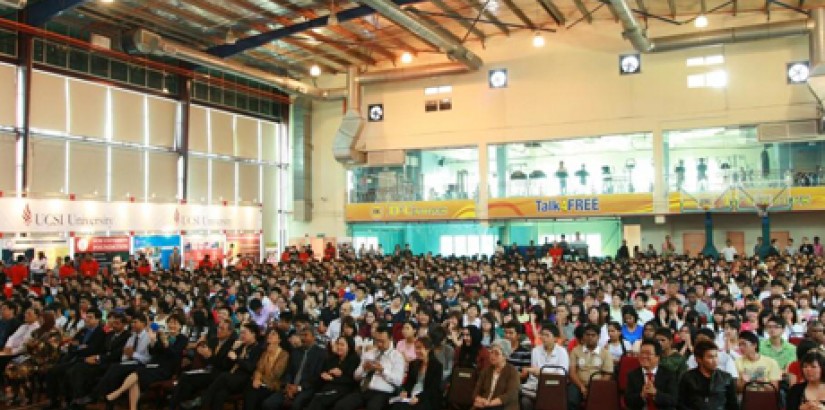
x,y
816,79
16,4
452,49
146,42
790,131
346,146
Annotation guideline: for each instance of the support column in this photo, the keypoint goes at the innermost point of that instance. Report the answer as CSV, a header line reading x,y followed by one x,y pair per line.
x,y
766,235
660,200
483,182
25,46
501,170
185,97
710,248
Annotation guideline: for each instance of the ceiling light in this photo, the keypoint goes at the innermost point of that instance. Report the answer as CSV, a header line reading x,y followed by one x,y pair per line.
x,y
538,40
701,21
315,71
107,1
406,58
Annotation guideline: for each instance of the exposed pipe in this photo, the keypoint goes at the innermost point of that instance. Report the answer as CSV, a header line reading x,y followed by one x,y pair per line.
x,y
147,42
401,74
454,50
633,32
732,35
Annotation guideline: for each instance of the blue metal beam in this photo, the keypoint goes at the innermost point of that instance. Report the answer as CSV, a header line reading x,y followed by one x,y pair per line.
x,y
258,40
38,14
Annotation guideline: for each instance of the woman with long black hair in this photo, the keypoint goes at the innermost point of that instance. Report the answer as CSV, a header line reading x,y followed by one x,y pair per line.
x,y
337,375
471,354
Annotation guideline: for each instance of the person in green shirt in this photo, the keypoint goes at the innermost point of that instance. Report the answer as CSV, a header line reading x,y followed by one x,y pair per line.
x,y
774,346
671,359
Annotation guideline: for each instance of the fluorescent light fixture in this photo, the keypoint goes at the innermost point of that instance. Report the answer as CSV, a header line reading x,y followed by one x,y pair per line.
x,y
497,78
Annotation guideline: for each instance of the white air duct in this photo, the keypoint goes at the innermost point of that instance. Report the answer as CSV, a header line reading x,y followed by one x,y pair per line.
x,y
16,4
345,146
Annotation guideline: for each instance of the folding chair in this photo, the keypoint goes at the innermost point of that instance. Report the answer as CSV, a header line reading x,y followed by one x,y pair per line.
x,y
462,386
760,396
551,392
602,394
796,338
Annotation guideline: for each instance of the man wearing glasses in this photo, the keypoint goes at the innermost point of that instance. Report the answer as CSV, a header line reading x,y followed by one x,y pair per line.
x,y
651,386
775,346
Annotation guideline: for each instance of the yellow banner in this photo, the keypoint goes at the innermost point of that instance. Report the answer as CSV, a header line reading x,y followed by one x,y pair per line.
x,y
412,211
780,200
571,206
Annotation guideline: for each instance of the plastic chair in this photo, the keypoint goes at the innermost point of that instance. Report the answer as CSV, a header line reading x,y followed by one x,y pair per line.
x,y
765,398
796,338
462,386
551,392
602,394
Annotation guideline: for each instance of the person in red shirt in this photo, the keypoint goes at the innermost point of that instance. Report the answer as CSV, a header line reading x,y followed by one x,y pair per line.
x,y
19,272
89,267
329,252
556,252
67,269
206,263
144,269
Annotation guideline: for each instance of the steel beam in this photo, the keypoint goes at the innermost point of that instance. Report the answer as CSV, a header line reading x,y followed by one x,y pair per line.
x,y
185,98
25,45
258,40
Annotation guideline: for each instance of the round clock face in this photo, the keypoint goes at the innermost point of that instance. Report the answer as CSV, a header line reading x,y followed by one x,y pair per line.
x,y
498,79
376,113
630,64
798,72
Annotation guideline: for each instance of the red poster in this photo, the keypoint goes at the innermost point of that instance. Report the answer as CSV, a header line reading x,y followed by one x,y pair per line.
x,y
245,244
101,244
195,247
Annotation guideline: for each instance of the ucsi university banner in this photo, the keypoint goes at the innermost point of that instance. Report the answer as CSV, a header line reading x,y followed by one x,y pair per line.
x,y
59,215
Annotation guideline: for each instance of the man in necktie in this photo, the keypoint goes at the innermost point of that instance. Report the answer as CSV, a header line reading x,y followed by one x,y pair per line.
x,y
303,374
87,342
651,387
381,373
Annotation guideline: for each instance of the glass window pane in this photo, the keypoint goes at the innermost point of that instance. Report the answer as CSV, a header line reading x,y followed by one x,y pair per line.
x,y
473,245
120,71
79,61
446,245
201,92
38,50
215,95
154,80
100,66
137,75
57,55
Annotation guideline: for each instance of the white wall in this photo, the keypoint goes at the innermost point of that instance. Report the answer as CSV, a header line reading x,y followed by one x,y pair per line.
x,y
570,88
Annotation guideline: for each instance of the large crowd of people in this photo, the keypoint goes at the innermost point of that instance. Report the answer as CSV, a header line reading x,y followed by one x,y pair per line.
x,y
351,330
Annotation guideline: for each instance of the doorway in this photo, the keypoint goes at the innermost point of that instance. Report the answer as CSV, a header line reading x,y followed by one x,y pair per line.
x,y
693,243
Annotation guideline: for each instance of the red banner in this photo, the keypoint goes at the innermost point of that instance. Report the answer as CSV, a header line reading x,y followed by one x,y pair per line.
x,y
245,244
101,244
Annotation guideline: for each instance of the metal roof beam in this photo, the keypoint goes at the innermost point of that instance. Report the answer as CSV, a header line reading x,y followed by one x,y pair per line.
x,y
242,45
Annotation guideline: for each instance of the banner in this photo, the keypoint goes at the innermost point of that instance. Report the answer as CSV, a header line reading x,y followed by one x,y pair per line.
x,y
571,206
245,244
412,211
104,249
58,215
52,247
780,200
157,248
195,247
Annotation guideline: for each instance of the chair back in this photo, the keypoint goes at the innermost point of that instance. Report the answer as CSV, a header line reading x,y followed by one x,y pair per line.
x,y
627,364
760,396
602,394
551,392
462,386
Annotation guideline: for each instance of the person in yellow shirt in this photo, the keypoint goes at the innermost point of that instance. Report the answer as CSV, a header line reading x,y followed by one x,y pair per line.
x,y
753,366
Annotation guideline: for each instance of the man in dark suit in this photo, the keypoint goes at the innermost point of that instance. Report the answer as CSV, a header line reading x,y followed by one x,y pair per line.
x,y
651,387
83,375
303,374
212,354
87,342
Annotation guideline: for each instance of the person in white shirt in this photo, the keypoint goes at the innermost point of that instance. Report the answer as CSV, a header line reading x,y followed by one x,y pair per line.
x,y
137,347
38,266
640,304
547,354
17,341
359,305
380,374
729,252
334,329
